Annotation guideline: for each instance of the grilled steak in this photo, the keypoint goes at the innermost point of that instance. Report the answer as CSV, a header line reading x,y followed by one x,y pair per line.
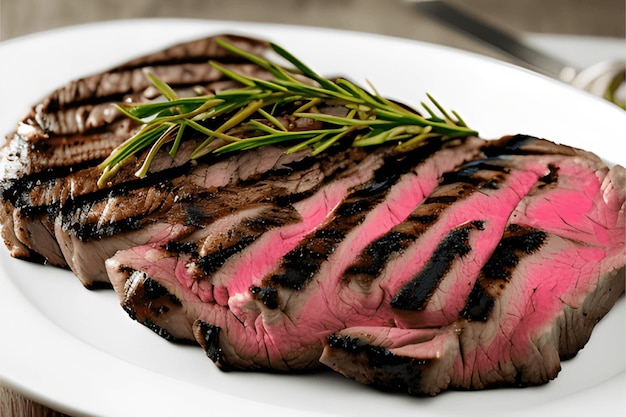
x,y
463,265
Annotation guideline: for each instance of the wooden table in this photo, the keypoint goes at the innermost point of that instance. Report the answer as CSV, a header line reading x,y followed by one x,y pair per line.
x,y
580,17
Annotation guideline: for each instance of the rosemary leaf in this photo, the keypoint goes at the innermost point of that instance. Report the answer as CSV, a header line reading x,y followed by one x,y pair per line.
x,y
178,140
270,118
322,145
297,92
163,88
306,71
165,137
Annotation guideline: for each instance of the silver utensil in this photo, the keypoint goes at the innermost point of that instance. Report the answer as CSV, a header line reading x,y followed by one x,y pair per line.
x,y
602,79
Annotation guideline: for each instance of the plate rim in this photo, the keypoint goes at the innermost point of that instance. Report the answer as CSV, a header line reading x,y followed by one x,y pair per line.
x,y
250,27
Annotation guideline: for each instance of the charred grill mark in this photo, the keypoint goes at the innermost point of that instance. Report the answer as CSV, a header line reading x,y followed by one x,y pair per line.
x,y
87,231
287,200
454,187
353,207
267,295
525,145
302,263
469,172
393,168
74,216
149,301
551,178
21,191
414,294
376,255
181,247
120,83
241,236
443,199
151,290
516,243
196,216
201,50
511,146
210,338
262,224
425,219
391,372
212,262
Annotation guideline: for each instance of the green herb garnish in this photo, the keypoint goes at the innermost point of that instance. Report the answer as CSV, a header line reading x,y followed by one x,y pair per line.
x,y
254,111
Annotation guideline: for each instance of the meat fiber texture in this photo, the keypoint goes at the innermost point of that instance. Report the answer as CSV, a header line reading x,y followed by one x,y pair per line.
x,y
468,265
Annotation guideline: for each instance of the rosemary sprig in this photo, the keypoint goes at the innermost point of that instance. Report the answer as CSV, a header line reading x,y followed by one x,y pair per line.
x,y
252,116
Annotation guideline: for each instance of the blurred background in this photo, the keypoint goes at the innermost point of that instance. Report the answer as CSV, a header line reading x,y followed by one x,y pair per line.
x,y
393,17
546,24
550,24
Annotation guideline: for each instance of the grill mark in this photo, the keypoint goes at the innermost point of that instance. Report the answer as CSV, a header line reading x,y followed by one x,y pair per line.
x,y
73,216
181,247
517,242
227,200
215,260
149,299
376,255
83,111
467,174
443,199
210,338
267,295
526,145
414,294
301,264
391,371
551,179
455,186
200,49
20,194
130,82
512,145
254,228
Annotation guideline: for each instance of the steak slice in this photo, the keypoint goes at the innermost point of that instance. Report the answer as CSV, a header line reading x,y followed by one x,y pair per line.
x,y
544,311
533,303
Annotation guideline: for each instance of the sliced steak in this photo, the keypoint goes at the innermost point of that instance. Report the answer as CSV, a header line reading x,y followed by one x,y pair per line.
x,y
416,294
466,264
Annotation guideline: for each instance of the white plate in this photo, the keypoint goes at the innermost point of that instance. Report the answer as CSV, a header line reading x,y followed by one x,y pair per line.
x,y
77,351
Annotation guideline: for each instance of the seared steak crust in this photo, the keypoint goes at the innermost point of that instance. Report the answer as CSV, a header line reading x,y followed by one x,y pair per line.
x,y
461,265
